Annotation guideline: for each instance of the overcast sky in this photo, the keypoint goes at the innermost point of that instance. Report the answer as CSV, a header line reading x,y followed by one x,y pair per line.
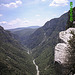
x,y
24,13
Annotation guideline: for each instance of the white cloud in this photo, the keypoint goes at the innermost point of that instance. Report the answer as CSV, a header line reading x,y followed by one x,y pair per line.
x,y
23,23
15,23
43,0
1,15
3,22
65,11
38,20
12,4
59,3
18,22
37,15
26,21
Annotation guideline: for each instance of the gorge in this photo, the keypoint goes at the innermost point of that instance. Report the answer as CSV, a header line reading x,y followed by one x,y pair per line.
x,y
37,69
48,46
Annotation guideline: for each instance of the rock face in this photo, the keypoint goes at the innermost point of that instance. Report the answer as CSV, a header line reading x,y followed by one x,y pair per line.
x,y
62,53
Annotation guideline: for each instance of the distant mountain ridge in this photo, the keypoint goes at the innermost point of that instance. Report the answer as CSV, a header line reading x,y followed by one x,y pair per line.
x,y
21,28
23,33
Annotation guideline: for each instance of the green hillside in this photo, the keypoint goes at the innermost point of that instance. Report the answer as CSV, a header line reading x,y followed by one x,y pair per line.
x,y
13,58
42,42
44,53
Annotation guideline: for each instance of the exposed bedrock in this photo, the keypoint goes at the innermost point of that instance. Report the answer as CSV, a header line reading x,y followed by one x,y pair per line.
x,y
63,57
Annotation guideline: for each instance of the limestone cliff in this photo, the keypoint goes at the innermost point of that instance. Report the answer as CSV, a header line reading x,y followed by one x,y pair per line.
x,y
63,52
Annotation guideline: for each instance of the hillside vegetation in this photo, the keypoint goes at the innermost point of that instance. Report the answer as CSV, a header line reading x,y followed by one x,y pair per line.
x,y
13,58
43,41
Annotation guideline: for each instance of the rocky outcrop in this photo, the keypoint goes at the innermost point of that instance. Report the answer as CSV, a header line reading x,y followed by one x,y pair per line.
x,y
62,51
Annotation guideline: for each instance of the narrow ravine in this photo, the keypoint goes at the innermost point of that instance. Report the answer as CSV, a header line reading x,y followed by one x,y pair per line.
x,y
36,67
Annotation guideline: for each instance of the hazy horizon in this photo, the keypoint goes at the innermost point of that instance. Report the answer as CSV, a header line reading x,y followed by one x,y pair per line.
x,y
25,13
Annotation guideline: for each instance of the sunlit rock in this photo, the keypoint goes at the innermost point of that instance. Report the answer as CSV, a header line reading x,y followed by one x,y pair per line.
x,y
61,49
63,57
61,53
66,35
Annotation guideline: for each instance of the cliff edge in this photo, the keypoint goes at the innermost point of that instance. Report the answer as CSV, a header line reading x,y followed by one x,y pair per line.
x,y
63,53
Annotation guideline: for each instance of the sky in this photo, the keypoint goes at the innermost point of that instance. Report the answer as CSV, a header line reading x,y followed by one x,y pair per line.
x,y
25,13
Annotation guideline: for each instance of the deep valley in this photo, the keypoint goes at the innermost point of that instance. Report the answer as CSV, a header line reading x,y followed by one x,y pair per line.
x,y
31,51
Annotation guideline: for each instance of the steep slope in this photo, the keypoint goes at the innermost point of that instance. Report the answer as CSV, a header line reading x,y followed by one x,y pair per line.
x,y
43,41
13,58
56,24
49,29
65,51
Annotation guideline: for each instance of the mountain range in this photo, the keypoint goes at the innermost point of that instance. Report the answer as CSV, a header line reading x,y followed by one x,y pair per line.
x,y
42,42
23,33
